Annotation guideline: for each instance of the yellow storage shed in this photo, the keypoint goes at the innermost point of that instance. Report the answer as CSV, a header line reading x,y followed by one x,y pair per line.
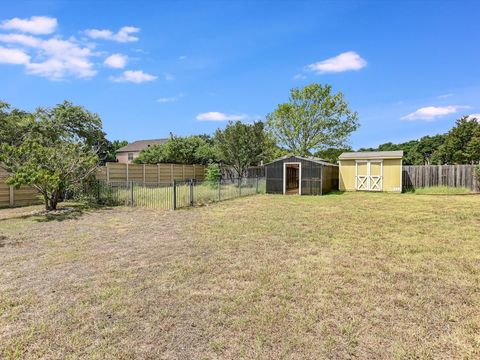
x,y
371,171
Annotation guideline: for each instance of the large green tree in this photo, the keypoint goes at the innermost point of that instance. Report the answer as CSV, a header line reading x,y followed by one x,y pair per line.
x,y
416,152
53,150
462,143
313,119
242,145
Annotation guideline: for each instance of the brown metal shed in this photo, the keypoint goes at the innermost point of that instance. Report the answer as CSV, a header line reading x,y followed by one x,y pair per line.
x,y
292,174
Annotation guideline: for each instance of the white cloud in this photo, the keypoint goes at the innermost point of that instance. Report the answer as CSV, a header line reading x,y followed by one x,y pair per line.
x,y
13,56
346,61
164,100
117,61
182,57
474,117
123,35
25,40
169,77
444,96
134,76
219,116
54,58
299,77
38,25
430,113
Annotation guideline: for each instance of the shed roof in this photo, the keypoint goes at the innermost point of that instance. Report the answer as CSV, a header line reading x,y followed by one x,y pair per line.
x,y
307,158
371,155
140,145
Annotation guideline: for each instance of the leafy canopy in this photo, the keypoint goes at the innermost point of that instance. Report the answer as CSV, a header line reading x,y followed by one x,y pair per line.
x,y
52,150
242,145
461,145
179,150
313,119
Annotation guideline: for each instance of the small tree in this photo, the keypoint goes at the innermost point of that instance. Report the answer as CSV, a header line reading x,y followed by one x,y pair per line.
x,y
212,174
56,150
242,145
313,119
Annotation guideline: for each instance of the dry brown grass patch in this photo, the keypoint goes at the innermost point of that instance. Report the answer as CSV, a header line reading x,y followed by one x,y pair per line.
x,y
339,276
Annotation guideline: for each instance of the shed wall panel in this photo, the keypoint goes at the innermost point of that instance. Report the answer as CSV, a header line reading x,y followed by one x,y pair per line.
x,y
392,176
311,176
347,175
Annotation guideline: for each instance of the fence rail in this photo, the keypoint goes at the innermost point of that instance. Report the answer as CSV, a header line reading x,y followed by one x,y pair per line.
x,y
10,196
440,175
172,195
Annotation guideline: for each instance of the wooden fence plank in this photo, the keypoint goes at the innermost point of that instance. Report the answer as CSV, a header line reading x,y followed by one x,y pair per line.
x,y
420,176
140,173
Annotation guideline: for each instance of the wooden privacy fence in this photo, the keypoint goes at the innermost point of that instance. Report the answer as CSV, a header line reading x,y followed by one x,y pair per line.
x,y
142,173
440,175
9,196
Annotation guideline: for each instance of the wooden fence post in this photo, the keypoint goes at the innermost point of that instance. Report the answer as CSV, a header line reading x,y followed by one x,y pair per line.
x,y
219,189
174,184
108,173
158,174
171,171
12,196
131,194
143,174
191,192
127,171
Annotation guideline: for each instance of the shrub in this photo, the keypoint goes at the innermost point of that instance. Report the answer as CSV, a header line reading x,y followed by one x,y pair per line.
x,y
212,174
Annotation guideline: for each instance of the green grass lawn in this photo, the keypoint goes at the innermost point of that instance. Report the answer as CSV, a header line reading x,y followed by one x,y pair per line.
x,y
354,275
442,190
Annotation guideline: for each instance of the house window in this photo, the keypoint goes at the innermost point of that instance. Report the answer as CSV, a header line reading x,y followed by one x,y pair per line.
x,y
130,156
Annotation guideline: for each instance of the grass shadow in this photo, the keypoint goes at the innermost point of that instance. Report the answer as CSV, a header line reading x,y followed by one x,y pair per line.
x,y
66,211
336,192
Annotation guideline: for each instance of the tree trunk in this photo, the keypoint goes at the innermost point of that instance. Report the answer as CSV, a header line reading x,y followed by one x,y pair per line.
x,y
52,201
47,206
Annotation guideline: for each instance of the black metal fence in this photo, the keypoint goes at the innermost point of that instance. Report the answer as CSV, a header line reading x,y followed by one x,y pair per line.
x,y
172,195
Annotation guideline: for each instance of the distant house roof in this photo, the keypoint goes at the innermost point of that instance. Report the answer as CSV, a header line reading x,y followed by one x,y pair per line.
x,y
140,145
371,155
308,158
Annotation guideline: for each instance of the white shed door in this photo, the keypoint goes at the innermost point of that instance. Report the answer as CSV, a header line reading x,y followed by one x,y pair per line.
x,y
369,175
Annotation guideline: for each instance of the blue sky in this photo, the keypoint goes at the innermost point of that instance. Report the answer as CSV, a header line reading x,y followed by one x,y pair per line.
x,y
409,68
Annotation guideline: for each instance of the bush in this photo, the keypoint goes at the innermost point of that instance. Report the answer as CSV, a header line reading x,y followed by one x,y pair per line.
x,y
212,174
